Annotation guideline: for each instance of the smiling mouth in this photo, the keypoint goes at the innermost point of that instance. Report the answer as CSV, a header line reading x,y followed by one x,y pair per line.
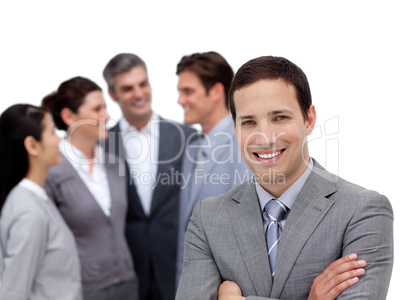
x,y
268,155
139,102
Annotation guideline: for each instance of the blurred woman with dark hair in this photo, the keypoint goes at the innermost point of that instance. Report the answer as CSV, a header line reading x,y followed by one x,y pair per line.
x,y
34,237
89,192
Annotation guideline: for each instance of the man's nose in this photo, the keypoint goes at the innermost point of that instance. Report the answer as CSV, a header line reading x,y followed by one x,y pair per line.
x,y
106,116
138,93
265,134
181,100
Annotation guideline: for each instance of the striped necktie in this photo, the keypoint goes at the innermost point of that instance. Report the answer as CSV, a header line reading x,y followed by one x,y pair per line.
x,y
275,210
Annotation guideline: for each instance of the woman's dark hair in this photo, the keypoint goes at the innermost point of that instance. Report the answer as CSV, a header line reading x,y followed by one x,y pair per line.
x,y
70,94
16,123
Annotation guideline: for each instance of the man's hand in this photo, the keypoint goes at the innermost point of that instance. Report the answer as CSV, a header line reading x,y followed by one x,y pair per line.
x,y
337,277
230,290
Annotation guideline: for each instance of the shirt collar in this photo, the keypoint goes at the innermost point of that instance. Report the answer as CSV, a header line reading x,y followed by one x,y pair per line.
x,y
126,127
289,196
34,188
77,158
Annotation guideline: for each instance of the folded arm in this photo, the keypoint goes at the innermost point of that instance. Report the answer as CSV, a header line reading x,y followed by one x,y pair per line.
x,y
336,278
370,235
365,269
200,278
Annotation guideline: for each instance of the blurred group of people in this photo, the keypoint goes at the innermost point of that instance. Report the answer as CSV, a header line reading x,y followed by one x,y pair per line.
x,y
107,196
116,213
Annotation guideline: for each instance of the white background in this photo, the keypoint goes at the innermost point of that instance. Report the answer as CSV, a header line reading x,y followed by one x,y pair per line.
x,y
350,50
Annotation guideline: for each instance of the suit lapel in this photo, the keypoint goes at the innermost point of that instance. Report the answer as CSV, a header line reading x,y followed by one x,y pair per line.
x,y
189,159
170,153
248,229
69,173
112,172
308,210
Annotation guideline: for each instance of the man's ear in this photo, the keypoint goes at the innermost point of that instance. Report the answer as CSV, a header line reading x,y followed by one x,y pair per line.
x,y
311,118
217,91
112,95
32,146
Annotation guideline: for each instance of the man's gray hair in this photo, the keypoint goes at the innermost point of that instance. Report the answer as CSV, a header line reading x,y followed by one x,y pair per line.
x,y
121,63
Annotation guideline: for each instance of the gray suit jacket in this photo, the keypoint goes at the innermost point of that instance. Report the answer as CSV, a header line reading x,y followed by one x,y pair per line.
x,y
224,169
329,219
40,259
104,254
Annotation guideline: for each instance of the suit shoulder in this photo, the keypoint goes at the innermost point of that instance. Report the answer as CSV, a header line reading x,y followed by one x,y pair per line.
x,y
60,171
25,215
115,128
229,195
176,127
340,190
21,201
188,130
349,190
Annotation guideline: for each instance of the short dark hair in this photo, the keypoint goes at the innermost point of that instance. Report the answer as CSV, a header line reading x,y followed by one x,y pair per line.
x,y
121,63
210,67
272,67
16,123
70,94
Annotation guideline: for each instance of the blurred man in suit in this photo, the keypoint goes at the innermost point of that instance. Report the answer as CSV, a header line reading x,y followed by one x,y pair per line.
x,y
295,231
213,164
152,148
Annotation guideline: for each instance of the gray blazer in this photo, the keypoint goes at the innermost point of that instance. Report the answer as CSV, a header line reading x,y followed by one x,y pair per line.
x,y
329,219
40,260
225,169
102,247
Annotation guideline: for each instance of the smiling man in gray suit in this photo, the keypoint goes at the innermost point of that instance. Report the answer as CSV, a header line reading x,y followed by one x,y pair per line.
x,y
295,231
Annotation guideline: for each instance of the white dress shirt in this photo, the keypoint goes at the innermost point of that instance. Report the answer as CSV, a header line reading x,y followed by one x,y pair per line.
x,y
96,182
142,153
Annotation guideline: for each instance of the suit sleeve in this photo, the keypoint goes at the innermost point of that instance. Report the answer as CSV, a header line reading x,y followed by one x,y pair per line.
x,y
200,277
23,254
370,236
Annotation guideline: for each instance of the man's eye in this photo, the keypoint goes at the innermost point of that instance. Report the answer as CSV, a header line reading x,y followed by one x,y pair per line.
x,y
281,118
246,123
187,92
